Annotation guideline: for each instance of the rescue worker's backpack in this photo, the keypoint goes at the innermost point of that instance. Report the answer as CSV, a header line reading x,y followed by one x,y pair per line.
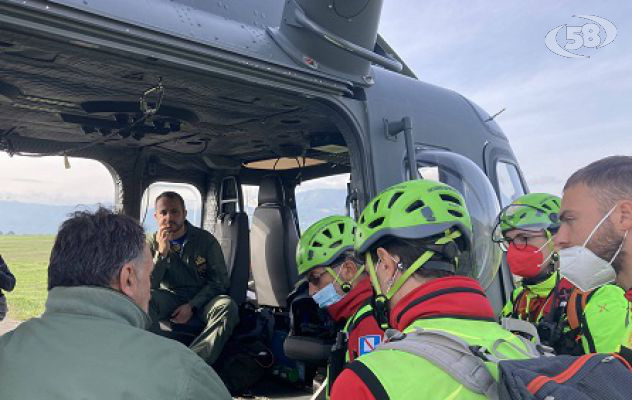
x,y
587,377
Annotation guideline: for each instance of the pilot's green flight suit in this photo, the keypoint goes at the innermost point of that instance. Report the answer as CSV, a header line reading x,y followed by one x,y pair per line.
x,y
195,273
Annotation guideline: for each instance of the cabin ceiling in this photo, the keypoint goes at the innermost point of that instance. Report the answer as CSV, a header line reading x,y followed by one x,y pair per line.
x,y
62,99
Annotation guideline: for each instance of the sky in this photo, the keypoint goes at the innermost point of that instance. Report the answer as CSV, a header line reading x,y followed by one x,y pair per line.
x,y
561,113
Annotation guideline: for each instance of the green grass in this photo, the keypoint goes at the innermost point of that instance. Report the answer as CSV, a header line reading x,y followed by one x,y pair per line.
x,y
27,258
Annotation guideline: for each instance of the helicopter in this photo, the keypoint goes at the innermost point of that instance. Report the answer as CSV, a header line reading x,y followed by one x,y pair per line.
x,y
226,93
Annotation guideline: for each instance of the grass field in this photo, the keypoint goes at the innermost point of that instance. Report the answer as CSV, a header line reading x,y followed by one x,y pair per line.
x,y
27,257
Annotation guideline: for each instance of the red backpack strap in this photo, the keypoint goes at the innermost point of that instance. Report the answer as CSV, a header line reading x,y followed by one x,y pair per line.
x,y
536,384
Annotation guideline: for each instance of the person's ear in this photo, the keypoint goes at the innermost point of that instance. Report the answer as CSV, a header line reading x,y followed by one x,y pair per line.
x,y
388,261
128,280
624,220
348,270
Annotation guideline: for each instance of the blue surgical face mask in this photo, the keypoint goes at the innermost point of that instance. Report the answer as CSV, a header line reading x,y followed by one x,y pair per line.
x,y
327,296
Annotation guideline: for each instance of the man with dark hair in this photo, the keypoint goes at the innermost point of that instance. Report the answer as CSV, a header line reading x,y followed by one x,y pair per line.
x,y
414,237
595,251
7,282
90,342
190,279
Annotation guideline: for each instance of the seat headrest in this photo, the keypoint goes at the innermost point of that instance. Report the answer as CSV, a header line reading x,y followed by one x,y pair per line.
x,y
271,190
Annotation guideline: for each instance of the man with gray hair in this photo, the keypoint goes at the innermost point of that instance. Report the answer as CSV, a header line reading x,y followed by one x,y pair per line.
x,y
595,250
91,340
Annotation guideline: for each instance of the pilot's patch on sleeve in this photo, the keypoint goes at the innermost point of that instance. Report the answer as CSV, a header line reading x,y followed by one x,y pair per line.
x,y
368,343
199,260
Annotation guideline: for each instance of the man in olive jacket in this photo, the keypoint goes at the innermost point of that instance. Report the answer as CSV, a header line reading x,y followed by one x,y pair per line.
x,y
190,279
90,343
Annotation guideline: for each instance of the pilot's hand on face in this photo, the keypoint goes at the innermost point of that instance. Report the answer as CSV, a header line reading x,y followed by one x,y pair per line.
x,y
163,237
182,314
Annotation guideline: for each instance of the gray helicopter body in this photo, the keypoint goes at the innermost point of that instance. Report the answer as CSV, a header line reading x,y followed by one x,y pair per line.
x,y
223,93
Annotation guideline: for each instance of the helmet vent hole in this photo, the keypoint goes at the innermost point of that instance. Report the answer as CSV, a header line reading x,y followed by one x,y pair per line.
x,y
310,254
394,199
376,205
341,228
317,244
376,222
415,206
335,244
449,198
455,213
353,231
327,233
546,206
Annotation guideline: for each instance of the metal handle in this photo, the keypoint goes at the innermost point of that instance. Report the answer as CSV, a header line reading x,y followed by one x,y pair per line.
x,y
344,44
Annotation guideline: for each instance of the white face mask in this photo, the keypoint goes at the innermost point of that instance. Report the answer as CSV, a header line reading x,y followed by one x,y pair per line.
x,y
585,269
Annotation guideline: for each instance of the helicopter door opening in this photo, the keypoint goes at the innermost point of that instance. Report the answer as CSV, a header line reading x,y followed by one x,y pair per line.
x,y
465,176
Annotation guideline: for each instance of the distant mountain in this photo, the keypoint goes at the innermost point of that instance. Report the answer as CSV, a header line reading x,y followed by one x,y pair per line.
x,y
31,218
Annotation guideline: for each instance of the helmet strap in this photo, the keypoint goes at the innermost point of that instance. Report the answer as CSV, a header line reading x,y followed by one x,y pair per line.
x,y
423,259
348,285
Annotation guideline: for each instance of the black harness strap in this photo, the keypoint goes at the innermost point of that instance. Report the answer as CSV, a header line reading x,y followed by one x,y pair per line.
x,y
584,323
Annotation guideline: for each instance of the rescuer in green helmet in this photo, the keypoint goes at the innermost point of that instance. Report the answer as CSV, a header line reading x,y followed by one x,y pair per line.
x,y
413,236
567,319
337,282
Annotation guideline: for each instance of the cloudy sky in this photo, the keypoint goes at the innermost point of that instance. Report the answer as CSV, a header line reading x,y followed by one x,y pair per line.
x,y
562,113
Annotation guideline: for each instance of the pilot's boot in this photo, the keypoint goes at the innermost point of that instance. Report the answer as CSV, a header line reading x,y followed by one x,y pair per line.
x,y
221,316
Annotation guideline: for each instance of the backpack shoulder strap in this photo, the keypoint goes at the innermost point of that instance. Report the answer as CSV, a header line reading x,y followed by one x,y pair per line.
x,y
576,305
521,328
448,352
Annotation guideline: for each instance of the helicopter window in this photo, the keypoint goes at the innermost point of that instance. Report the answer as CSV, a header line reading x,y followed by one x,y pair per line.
x,y
38,193
190,194
462,174
251,195
320,198
509,183
429,172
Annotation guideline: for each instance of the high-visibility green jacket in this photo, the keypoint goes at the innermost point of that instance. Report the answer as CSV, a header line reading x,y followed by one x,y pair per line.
x,y
90,343
197,272
529,302
604,320
455,305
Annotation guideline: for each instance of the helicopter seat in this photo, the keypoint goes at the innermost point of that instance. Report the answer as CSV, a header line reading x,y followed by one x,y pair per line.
x,y
273,240
232,233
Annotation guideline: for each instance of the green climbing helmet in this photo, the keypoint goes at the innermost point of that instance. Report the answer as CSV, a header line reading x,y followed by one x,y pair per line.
x,y
324,241
533,211
414,210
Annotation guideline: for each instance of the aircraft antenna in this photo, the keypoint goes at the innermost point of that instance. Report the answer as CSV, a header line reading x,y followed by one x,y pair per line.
x,y
495,115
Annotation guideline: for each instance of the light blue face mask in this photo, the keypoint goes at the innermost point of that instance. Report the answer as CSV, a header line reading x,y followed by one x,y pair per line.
x,y
327,296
